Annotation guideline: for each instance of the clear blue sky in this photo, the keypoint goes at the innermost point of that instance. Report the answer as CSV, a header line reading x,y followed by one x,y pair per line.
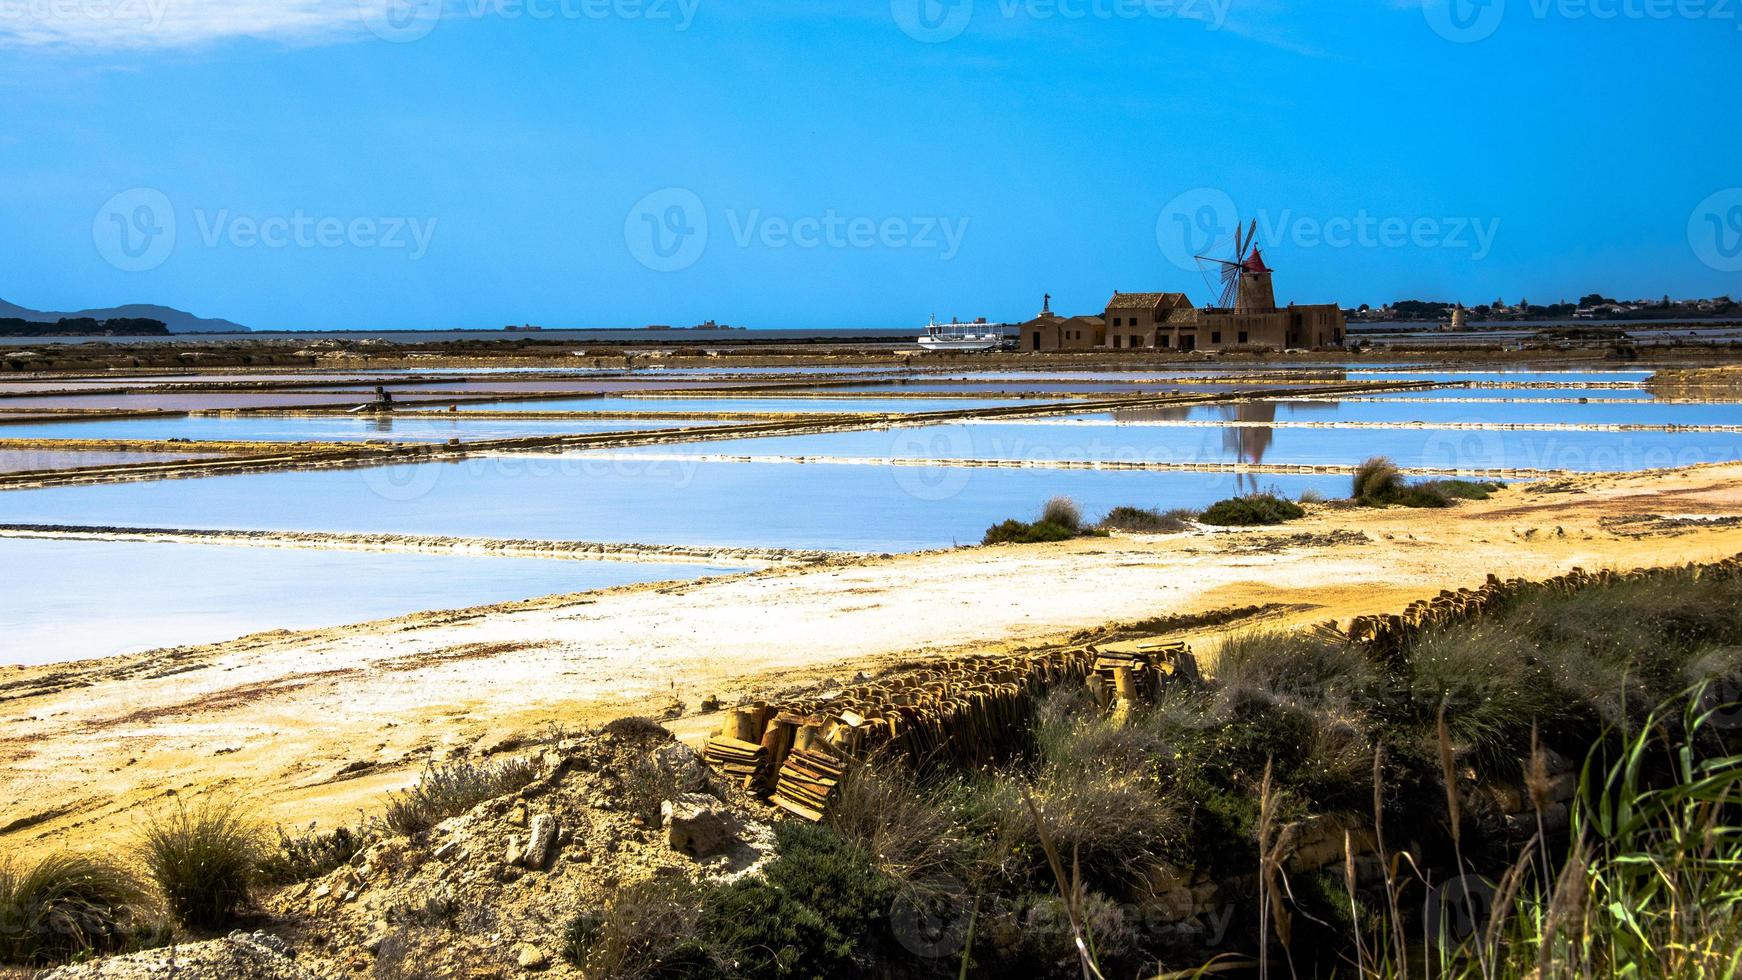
x,y
493,165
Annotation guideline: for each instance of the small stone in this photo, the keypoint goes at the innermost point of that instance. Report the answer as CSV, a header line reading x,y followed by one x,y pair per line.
x,y
517,816
697,824
447,850
530,957
513,855
541,841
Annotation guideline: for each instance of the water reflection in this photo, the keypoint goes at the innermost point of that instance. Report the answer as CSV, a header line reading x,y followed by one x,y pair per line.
x,y
1246,443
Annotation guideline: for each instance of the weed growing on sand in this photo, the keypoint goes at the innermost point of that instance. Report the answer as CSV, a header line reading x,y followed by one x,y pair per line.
x,y
301,855
1378,483
67,906
205,859
449,790
1252,510
1142,520
1064,512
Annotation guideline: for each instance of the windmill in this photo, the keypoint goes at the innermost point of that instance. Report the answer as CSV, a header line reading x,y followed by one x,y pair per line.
x,y
1242,283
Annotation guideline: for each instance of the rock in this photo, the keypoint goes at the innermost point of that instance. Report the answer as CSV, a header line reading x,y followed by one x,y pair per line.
x,y
517,816
684,766
697,824
541,841
530,957
447,850
234,956
513,855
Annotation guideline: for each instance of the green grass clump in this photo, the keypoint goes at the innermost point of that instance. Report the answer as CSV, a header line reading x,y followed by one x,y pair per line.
x,y
452,789
1144,520
1020,532
1064,512
1251,511
66,906
1379,484
1376,479
205,859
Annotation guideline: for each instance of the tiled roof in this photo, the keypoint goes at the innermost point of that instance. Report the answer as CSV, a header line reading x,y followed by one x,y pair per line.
x,y
1144,301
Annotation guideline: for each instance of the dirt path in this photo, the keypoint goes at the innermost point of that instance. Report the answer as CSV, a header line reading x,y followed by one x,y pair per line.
x,y
318,724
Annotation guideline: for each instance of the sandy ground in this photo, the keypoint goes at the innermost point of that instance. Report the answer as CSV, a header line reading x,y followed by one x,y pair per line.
x,y
317,725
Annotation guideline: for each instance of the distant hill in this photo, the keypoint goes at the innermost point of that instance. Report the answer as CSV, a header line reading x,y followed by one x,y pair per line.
x,y
178,321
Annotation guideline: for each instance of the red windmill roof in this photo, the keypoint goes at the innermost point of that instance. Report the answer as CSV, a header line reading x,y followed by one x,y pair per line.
x,y
1255,264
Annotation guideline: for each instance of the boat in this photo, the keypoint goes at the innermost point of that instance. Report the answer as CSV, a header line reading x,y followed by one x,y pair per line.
x,y
961,336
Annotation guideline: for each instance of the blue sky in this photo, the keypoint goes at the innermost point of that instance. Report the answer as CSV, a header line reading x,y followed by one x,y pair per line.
x,y
300,164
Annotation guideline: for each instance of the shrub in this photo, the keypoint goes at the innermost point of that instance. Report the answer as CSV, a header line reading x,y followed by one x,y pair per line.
x,y
580,935
452,789
763,931
1017,532
649,929
908,827
204,859
1376,479
1062,511
1252,510
1141,520
65,906
301,855
830,874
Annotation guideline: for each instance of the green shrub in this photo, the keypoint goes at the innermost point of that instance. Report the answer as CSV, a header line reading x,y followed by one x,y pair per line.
x,y
830,874
1252,510
449,790
65,906
205,859
301,855
1142,520
1017,532
1376,479
765,932
1062,511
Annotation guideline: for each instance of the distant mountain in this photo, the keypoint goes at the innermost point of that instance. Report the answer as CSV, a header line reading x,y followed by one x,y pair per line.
x,y
178,321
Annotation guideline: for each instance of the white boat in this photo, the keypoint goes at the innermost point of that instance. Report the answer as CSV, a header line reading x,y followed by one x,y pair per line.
x,y
960,336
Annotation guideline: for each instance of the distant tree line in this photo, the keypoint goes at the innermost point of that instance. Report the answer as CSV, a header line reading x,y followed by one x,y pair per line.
x,y
83,326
